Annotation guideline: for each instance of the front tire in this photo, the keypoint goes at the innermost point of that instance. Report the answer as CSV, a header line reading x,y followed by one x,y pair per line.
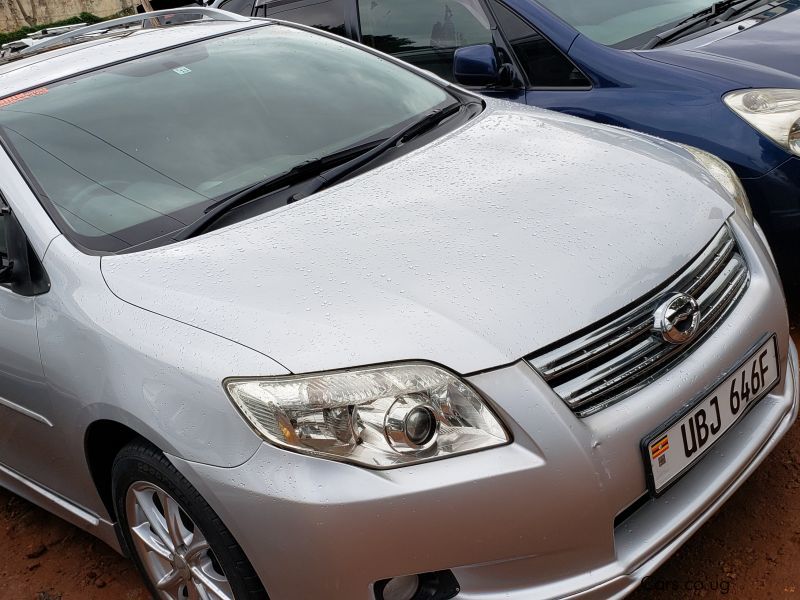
x,y
179,544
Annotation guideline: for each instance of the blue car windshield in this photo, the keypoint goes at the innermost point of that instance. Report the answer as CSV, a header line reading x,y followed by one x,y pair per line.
x,y
624,23
138,150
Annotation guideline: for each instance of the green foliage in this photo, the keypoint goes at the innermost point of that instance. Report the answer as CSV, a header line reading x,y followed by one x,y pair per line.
x,y
84,17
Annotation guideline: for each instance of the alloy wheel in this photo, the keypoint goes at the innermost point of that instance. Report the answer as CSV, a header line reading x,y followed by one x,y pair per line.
x,y
173,551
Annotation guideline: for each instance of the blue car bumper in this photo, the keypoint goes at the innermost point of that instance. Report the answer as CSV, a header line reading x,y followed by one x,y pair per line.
x,y
776,198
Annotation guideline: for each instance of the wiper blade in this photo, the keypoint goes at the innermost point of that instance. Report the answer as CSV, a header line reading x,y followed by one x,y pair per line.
x,y
429,121
295,175
315,174
719,11
739,8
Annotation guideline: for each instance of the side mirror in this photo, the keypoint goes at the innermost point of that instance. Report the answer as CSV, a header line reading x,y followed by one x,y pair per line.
x,y
476,66
20,269
6,249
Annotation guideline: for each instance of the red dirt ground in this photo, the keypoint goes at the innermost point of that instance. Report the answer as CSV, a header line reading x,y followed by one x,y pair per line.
x,y
749,550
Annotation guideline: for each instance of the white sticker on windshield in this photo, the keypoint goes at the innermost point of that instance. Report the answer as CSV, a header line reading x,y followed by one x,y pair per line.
x,y
182,70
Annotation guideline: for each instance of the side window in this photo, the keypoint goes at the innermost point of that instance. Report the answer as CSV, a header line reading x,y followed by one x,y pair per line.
x,y
328,15
544,64
425,33
5,214
240,7
161,5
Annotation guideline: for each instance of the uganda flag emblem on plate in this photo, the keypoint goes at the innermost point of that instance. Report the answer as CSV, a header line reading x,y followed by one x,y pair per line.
x,y
658,449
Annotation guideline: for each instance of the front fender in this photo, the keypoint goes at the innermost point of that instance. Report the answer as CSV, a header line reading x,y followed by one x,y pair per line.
x,y
105,359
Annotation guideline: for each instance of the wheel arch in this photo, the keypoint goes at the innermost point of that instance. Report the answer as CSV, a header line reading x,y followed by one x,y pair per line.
x,y
102,443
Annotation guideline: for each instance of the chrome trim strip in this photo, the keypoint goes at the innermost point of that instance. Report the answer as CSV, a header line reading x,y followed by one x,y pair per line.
x,y
24,411
717,277
718,262
733,285
604,378
650,354
49,498
560,360
633,328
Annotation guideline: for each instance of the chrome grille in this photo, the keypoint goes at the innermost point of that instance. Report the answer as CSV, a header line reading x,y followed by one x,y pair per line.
x,y
615,358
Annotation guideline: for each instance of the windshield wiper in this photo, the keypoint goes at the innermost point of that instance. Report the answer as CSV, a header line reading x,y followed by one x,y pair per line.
x,y
312,176
426,123
719,11
739,8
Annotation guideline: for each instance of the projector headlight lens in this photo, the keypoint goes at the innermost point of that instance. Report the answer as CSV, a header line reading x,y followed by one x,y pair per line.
x,y
376,417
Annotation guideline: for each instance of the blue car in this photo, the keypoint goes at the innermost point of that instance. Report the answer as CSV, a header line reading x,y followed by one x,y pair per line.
x,y
724,76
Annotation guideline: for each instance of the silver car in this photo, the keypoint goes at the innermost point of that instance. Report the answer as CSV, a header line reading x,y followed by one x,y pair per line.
x,y
280,315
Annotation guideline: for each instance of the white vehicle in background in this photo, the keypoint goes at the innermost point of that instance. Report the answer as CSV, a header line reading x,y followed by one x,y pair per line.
x,y
50,32
36,37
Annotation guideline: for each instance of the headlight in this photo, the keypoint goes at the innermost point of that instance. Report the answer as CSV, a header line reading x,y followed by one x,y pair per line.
x,y
376,417
725,176
774,112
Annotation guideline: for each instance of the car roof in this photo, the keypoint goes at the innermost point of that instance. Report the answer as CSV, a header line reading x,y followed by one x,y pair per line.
x,y
37,69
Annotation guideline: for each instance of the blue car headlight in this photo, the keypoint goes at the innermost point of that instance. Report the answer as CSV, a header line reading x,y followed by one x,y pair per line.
x,y
773,112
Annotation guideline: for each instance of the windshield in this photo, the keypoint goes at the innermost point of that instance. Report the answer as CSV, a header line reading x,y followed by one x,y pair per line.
x,y
138,150
624,23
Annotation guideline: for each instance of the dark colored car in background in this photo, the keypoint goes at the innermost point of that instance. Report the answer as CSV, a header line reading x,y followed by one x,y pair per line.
x,y
724,77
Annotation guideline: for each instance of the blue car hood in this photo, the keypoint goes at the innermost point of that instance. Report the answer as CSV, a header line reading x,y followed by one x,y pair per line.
x,y
759,51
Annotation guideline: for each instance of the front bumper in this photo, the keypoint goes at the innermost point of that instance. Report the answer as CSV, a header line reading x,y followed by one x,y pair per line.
x,y
539,518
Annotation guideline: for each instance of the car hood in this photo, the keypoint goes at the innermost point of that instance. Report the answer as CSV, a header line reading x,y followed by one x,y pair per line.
x,y
759,51
516,230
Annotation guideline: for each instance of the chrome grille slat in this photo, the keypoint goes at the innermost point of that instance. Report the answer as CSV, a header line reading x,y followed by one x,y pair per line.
x,y
578,389
561,360
646,364
617,357
632,330
734,286
717,264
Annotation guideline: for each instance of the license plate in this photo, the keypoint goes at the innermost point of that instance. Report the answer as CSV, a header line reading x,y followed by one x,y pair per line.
x,y
681,442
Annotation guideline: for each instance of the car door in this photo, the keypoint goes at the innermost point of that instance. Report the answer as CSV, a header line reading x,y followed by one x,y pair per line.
x,y
333,16
240,7
426,33
552,80
26,432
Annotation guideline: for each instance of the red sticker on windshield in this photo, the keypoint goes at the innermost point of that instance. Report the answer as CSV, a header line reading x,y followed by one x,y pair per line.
x,y
23,96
